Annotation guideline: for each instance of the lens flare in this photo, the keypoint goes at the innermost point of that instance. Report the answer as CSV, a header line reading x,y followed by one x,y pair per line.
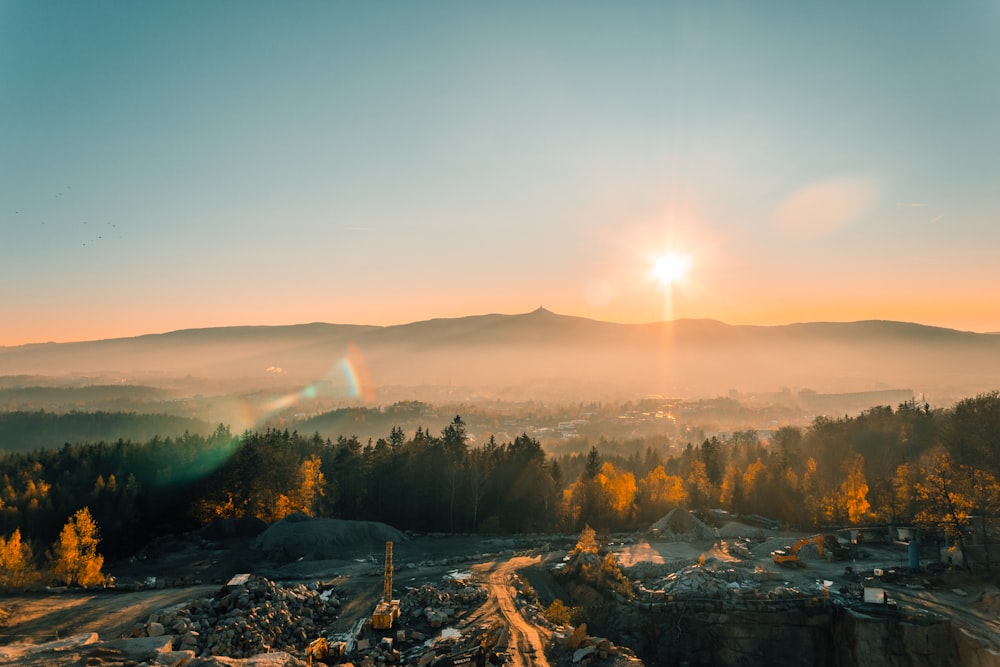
x,y
350,369
356,371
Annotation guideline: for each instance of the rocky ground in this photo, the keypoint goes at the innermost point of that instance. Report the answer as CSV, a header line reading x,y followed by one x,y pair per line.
x,y
176,603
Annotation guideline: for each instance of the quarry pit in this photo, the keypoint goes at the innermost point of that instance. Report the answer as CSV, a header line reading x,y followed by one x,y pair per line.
x,y
700,598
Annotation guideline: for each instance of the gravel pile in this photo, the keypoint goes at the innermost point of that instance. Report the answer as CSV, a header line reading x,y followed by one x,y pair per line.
x,y
680,525
438,604
712,582
256,617
301,536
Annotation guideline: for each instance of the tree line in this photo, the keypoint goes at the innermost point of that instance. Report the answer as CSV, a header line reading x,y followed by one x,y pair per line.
x,y
909,464
26,431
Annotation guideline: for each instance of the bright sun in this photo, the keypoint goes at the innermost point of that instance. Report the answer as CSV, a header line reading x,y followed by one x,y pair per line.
x,y
671,267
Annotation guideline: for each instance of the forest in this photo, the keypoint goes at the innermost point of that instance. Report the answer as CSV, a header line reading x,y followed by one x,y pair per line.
x,y
937,468
25,431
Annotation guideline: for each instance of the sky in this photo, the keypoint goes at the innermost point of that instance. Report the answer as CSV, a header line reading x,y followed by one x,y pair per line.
x,y
187,164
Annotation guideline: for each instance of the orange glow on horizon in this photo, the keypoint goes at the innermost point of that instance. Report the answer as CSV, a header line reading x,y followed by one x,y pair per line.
x,y
629,297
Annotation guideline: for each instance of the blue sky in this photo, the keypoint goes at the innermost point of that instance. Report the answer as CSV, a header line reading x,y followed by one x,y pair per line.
x,y
183,164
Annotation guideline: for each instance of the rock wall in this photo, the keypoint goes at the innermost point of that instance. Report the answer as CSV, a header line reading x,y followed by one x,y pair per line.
x,y
710,633
790,634
865,639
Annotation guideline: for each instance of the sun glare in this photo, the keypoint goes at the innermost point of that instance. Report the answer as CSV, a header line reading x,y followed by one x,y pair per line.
x,y
671,267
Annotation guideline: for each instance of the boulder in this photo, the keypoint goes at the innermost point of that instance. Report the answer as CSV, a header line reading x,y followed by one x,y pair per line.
x,y
174,658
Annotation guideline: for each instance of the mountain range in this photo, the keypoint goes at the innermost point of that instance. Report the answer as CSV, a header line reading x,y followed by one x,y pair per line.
x,y
542,352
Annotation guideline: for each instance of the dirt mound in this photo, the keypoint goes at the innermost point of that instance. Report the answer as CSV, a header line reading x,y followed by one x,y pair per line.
x,y
681,524
738,529
300,536
224,529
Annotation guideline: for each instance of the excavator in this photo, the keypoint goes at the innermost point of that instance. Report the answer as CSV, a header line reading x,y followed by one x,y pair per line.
x,y
318,650
387,611
790,555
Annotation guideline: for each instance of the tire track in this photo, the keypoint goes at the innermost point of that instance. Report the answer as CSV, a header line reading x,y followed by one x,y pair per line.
x,y
526,645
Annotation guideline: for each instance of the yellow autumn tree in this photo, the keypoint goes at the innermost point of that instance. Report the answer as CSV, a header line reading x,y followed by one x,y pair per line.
x,y
619,488
281,506
950,495
731,489
699,487
17,567
207,509
305,497
74,557
570,502
854,490
753,480
659,492
587,542
313,486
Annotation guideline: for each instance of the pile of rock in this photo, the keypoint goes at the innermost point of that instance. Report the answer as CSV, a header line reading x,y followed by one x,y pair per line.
x,y
455,647
439,604
648,570
380,653
587,649
243,621
680,525
700,581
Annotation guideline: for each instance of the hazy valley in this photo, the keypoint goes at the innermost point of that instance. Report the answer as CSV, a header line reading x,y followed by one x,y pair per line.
x,y
533,356
291,453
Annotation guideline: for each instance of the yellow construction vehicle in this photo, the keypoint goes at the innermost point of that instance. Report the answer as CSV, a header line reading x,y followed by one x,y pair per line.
x,y
318,649
790,555
324,652
387,611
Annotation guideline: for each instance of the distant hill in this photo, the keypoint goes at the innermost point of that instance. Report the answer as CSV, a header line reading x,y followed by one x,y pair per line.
x,y
30,431
31,394
519,355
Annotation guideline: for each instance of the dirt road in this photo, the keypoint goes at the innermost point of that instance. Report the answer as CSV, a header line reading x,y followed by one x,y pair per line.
x,y
35,619
526,646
